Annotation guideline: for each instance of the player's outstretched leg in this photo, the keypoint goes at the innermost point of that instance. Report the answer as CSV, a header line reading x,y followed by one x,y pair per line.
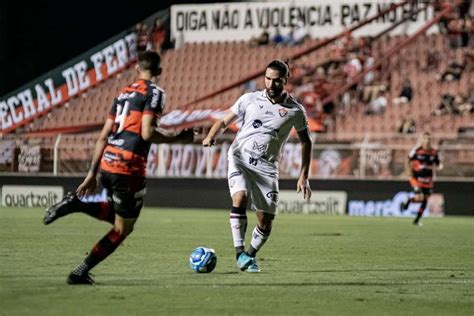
x,y
247,261
71,204
404,205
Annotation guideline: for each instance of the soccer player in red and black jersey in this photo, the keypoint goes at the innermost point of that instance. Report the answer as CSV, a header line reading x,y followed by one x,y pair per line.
x,y
120,158
421,163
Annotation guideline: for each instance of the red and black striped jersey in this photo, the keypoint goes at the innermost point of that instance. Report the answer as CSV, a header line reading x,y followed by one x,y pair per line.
x,y
126,151
423,161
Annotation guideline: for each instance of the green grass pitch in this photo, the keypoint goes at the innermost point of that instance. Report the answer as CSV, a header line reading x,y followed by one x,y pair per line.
x,y
311,265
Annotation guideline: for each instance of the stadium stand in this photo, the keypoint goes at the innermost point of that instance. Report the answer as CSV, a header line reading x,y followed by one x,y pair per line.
x,y
199,69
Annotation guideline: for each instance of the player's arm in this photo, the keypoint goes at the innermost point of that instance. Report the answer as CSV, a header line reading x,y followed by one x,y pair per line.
x,y
408,164
218,127
89,184
153,134
439,162
306,152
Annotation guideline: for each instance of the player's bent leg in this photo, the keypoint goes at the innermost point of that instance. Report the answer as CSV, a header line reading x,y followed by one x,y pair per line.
x,y
247,261
261,232
102,249
123,227
421,210
69,204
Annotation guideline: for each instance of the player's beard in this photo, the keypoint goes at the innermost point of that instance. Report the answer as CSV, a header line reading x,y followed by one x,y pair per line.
x,y
274,93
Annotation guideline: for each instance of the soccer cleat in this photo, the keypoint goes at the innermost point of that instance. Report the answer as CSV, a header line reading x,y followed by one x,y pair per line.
x,y
247,263
64,207
253,267
75,279
403,206
419,224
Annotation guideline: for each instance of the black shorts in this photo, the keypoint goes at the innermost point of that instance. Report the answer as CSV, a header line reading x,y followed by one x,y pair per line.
x,y
424,191
126,193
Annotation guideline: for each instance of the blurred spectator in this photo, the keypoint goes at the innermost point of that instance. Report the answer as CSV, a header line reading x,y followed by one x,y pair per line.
x,y
446,106
453,72
455,27
158,35
378,105
405,95
342,45
178,41
467,31
143,37
353,66
408,126
277,38
261,40
300,34
289,38
369,63
432,60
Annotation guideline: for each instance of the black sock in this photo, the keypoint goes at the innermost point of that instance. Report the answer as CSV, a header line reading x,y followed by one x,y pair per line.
x,y
238,252
99,252
101,210
252,252
420,211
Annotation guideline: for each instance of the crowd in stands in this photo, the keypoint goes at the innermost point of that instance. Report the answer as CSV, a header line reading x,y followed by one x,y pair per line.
x,y
295,36
313,83
151,37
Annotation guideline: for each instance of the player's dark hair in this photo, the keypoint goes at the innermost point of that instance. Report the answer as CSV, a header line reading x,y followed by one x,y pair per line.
x,y
282,66
150,60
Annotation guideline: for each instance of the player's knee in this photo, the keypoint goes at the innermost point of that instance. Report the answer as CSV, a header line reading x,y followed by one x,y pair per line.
x,y
123,228
239,199
266,228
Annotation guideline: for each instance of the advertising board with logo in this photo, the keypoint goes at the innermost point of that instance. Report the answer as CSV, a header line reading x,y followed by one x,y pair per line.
x,y
31,195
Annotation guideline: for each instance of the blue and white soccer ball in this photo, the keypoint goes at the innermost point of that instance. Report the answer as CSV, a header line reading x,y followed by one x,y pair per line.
x,y
203,260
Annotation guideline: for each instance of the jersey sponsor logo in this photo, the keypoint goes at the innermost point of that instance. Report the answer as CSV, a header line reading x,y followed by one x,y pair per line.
x,y
108,156
115,142
126,96
283,112
257,124
273,195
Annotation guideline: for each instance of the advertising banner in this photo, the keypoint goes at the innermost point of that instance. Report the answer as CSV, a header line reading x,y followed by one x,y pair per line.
x,y
58,86
391,207
31,195
323,18
322,202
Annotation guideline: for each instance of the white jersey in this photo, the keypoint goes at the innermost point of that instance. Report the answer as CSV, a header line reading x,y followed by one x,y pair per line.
x,y
265,129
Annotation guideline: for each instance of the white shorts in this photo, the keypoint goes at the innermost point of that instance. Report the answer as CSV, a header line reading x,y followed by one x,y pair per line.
x,y
262,189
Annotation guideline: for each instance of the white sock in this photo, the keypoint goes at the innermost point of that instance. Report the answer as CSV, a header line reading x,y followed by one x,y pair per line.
x,y
238,226
258,238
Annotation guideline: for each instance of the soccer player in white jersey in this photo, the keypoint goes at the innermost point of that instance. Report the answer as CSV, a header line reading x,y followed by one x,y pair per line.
x,y
267,118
